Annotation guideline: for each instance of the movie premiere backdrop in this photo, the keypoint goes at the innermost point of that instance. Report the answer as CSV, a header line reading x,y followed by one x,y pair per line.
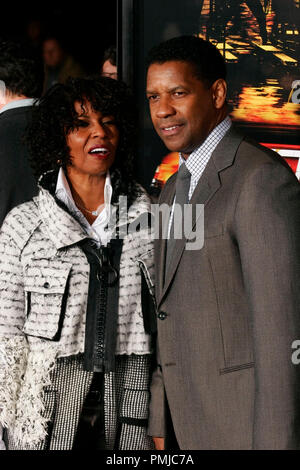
x,y
260,41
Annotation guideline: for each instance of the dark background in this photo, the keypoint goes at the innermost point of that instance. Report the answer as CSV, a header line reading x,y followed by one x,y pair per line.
x,y
85,28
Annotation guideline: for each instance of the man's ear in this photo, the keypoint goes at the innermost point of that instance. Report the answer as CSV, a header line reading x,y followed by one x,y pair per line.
x,y
219,91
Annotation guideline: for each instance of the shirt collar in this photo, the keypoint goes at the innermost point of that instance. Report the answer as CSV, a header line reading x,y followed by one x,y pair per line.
x,y
18,104
205,150
63,192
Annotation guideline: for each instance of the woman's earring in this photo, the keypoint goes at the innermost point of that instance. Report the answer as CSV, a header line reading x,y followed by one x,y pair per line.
x,y
58,162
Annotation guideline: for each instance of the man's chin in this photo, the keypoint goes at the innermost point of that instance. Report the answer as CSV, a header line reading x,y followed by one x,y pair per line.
x,y
175,148
171,146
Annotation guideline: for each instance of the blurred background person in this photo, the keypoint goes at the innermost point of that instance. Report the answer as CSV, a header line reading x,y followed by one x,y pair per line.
x,y
109,63
34,31
59,65
21,73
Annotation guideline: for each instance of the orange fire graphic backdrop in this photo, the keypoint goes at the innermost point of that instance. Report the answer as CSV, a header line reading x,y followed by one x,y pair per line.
x,y
260,41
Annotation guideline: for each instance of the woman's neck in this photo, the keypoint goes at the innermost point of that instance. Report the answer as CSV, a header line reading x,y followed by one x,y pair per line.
x,y
88,193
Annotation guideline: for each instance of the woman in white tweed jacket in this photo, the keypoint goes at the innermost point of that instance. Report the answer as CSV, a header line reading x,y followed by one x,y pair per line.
x,y
75,342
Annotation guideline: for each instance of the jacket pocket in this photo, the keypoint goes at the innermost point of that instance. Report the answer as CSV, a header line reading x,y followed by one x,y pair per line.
x,y
227,370
133,422
46,291
213,231
135,407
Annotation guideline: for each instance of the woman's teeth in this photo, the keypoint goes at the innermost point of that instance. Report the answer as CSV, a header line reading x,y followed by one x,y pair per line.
x,y
99,150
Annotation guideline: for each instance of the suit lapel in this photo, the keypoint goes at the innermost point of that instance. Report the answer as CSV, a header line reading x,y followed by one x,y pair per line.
x,y
208,185
161,243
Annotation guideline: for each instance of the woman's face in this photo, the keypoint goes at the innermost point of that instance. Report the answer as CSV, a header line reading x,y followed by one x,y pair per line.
x,y
94,142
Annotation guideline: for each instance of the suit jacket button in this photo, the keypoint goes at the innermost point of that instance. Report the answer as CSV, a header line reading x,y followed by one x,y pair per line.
x,y
162,315
46,285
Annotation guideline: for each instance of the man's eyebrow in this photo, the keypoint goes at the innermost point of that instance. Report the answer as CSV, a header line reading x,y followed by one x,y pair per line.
x,y
177,88
170,90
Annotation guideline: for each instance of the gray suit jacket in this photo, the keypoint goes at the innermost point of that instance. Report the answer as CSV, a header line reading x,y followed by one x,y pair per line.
x,y
230,311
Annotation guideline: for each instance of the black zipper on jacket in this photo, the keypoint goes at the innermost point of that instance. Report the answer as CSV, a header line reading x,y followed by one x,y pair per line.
x,y
101,306
103,294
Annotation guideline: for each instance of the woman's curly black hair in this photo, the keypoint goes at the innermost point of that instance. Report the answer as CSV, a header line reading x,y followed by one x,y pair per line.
x,y
54,116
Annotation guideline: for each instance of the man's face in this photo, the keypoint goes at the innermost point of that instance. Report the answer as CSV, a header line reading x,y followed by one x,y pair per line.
x,y
52,53
183,109
109,70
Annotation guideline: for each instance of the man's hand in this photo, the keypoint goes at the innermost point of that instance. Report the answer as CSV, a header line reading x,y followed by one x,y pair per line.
x,y
159,443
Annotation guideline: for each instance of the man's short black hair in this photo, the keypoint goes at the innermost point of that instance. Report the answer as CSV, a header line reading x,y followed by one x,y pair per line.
x,y
207,60
21,69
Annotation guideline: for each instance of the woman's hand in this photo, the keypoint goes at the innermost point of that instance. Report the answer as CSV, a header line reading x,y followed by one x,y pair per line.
x,y
159,443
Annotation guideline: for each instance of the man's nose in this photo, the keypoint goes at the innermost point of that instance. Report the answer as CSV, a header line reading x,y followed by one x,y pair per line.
x,y
164,108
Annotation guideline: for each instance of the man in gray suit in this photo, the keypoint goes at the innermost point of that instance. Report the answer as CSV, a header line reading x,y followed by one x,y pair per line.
x,y
228,313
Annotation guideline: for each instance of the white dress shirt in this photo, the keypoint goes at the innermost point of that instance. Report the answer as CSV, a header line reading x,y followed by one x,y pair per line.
x,y
198,159
97,231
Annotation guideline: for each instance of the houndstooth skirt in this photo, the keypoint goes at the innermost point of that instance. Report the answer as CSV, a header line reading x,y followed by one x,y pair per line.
x,y
125,402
